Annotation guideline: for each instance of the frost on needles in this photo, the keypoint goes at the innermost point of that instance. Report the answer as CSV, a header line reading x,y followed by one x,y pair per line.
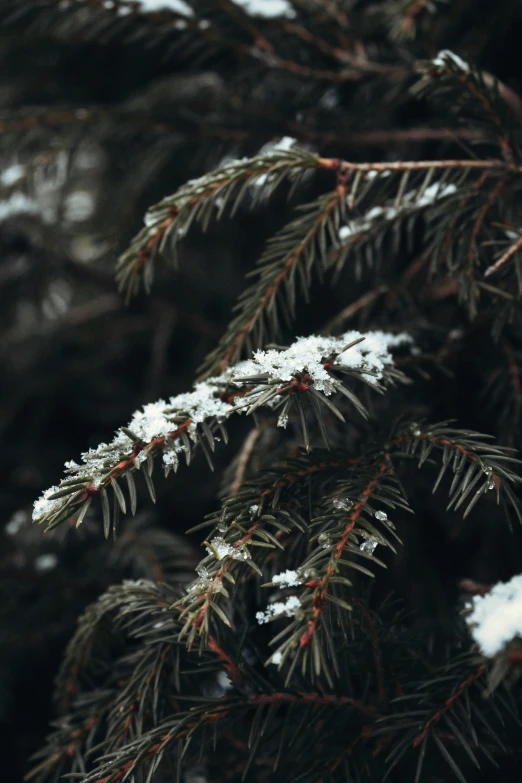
x,y
166,426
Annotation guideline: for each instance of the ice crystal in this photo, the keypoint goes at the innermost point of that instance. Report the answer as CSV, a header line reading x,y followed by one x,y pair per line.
x,y
496,618
382,516
221,548
282,420
287,608
286,579
370,545
277,658
324,540
342,504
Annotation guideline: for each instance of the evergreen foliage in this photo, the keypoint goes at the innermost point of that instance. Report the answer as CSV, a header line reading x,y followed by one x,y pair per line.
x,y
287,648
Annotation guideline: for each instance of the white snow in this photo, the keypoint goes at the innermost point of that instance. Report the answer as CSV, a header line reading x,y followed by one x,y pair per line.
x,y
431,195
268,9
286,579
309,354
159,419
177,6
17,204
220,547
382,516
15,523
287,608
79,205
445,54
496,618
45,562
12,174
276,658
283,145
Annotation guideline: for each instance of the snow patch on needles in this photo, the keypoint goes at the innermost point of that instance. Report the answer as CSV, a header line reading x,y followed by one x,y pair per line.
x,y
286,579
155,420
441,60
268,9
496,618
17,204
177,6
369,357
309,354
287,608
220,547
12,174
431,195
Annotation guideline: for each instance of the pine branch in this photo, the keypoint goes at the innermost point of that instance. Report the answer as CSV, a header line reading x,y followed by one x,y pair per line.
x,y
309,368
471,96
289,258
201,200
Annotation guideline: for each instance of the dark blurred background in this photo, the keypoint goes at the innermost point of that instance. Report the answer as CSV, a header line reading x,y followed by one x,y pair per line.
x,y
98,121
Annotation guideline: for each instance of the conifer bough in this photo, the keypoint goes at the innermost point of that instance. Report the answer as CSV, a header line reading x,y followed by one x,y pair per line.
x,y
277,643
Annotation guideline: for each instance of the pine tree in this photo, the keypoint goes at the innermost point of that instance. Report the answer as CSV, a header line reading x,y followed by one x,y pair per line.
x,y
355,612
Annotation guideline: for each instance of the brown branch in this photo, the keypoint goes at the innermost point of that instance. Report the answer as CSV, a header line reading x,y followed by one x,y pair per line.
x,y
242,463
448,704
321,589
274,286
492,195
504,258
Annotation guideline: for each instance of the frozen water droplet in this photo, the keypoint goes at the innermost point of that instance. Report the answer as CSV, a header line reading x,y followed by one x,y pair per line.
x,y
382,516
369,546
491,484
325,540
282,420
202,571
342,504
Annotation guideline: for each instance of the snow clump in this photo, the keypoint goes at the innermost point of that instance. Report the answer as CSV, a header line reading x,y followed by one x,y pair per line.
x,y
496,618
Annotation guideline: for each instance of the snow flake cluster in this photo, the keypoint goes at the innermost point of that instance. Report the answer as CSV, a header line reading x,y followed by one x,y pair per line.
x,y
286,608
496,618
155,420
432,194
308,354
286,579
221,549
